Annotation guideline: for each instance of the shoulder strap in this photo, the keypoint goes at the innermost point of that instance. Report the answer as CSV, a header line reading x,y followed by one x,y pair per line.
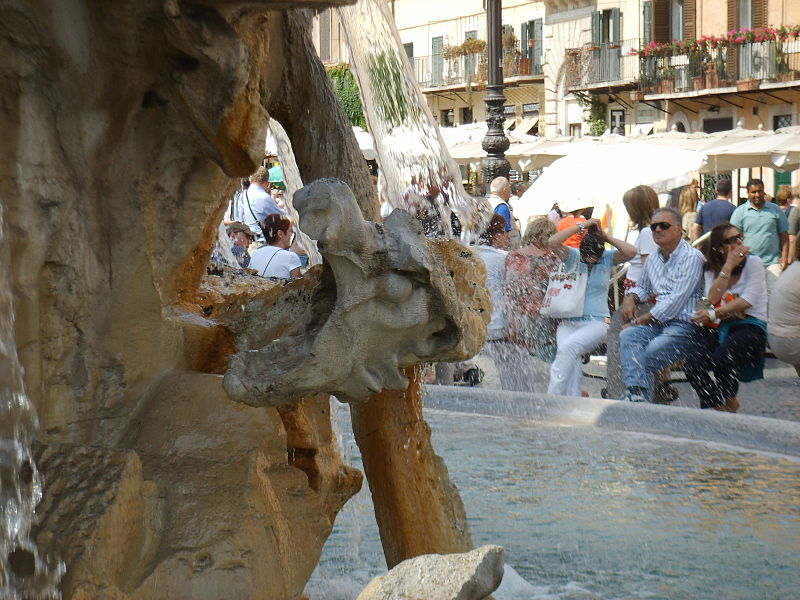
x,y
264,233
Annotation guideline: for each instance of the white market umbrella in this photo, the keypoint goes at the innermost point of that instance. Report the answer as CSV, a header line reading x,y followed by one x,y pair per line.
x,y
775,150
598,175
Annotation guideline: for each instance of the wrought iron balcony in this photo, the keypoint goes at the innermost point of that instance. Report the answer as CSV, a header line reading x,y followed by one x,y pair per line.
x,y
745,66
601,64
436,71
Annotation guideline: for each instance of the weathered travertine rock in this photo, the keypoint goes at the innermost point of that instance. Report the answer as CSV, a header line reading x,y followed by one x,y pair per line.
x,y
418,509
395,306
469,576
123,127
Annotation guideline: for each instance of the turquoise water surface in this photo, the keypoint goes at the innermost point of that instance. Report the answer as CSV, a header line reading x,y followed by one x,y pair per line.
x,y
588,513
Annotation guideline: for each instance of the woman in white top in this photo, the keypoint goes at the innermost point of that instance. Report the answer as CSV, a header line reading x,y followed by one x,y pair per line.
x,y
275,259
734,335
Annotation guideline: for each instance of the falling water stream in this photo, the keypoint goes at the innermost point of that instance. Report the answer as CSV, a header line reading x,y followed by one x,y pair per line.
x,y
23,571
419,173
293,181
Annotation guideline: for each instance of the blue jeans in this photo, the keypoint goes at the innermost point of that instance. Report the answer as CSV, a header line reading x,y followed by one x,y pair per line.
x,y
645,349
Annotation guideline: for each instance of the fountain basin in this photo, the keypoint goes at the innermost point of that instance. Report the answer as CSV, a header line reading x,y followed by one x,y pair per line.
x,y
586,512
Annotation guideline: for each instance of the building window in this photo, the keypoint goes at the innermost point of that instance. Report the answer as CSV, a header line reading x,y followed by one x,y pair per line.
x,y
575,130
466,115
448,118
745,14
676,19
606,26
409,48
618,122
717,124
531,110
779,121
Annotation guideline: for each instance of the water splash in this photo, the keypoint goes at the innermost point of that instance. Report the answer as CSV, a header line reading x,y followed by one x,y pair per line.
x,y
23,572
420,176
223,249
293,181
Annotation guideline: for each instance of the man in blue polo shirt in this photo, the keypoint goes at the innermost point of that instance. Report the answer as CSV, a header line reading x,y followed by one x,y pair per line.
x,y
716,211
765,229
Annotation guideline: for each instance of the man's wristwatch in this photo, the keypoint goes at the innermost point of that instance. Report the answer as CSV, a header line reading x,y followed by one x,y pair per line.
x,y
581,227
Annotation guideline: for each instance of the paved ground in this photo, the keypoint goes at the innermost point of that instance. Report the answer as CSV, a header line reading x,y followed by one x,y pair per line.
x,y
776,396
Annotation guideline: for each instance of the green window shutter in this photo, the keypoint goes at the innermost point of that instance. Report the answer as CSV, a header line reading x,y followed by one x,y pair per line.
x,y
596,27
647,22
523,40
538,42
616,25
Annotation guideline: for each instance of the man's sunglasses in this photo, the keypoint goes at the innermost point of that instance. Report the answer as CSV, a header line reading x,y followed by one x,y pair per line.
x,y
662,225
733,238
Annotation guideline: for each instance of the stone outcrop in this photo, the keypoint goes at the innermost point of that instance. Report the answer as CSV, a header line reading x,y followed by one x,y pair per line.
x,y
395,305
123,128
468,576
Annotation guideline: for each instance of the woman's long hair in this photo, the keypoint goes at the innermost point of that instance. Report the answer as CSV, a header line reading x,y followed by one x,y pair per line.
x,y
716,253
640,202
688,200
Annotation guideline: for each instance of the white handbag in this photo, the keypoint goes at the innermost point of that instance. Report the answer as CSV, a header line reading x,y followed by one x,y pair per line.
x,y
565,294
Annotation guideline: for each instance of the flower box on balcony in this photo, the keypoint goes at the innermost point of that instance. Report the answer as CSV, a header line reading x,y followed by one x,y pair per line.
x,y
615,45
747,85
666,86
712,79
524,66
594,48
789,76
698,82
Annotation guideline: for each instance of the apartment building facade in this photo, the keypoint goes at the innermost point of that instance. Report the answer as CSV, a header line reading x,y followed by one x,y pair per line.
x,y
702,65
445,44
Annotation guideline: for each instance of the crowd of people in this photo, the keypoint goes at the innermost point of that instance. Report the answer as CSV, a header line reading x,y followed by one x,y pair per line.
x,y
713,310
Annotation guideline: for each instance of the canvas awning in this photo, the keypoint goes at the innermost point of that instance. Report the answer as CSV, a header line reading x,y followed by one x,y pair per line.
x,y
527,124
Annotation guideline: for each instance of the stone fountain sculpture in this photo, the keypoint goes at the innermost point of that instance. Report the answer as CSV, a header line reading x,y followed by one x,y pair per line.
x,y
123,125
395,306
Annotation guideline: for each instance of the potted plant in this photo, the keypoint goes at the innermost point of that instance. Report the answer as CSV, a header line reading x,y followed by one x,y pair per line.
x,y
473,46
747,85
666,77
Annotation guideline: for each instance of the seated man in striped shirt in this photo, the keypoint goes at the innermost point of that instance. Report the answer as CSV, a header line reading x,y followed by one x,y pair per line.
x,y
673,278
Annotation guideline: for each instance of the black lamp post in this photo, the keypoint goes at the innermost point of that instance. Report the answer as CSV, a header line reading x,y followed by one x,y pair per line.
x,y
495,143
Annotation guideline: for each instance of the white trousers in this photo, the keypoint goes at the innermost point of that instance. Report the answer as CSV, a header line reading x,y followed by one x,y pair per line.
x,y
771,274
574,338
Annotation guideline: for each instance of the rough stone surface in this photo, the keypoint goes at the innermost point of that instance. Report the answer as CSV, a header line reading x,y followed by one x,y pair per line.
x,y
123,131
395,306
417,507
468,576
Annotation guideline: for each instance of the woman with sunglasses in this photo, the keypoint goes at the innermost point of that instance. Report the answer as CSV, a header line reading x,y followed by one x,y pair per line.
x,y
275,259
734,321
